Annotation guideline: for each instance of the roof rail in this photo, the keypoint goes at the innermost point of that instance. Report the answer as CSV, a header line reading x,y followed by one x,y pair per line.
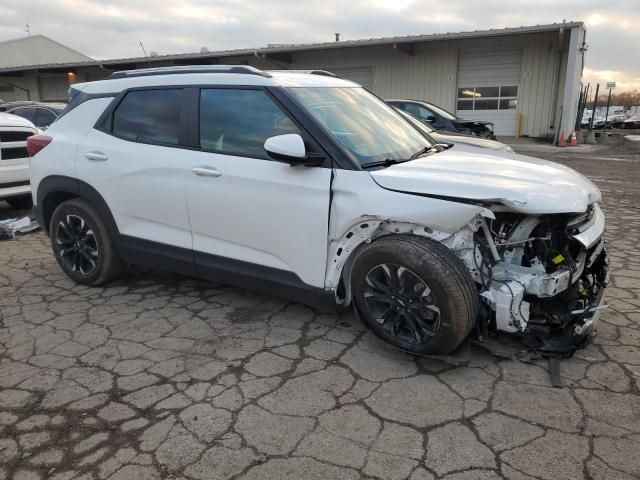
x,y
146,72
312,72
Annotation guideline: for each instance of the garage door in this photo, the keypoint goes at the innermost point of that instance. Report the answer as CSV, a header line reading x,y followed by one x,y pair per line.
x,y
54,88
361,75
488,84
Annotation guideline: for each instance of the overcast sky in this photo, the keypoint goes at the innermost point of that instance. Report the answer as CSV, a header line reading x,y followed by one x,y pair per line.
x,y
113,28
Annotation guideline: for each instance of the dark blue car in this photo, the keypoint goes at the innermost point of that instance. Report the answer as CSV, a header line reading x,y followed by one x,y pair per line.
x,y
440,119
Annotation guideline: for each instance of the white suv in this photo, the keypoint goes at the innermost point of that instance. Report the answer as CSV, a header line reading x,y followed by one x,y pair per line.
x,y
306,186
14,160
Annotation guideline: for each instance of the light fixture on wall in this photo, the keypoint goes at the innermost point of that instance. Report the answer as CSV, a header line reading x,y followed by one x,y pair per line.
x,y
72,77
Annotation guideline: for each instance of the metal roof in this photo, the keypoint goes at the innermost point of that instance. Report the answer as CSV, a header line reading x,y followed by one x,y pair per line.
x,y
283,49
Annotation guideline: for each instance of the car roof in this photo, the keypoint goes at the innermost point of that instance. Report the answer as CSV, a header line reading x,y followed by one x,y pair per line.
x,y
212,75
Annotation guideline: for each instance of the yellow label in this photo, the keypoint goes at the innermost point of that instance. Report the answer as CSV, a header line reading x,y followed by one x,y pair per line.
x,y
558,259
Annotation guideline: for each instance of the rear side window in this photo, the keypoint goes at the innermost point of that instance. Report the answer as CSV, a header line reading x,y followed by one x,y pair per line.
x,y
149,115
237,122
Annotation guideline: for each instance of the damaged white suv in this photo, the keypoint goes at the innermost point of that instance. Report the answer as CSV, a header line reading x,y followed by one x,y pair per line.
x,y
304,185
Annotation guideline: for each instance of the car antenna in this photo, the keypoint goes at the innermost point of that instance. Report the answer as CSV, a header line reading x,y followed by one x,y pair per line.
x,y
145,54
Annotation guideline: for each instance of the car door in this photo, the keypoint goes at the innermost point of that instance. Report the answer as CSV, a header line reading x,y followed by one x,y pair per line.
x,y
135,160
248,213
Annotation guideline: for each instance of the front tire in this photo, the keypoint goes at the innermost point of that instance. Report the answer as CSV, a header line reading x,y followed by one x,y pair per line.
x,y
415,294
82,244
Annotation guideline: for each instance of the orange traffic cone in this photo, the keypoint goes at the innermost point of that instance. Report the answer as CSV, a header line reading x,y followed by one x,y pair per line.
x,y
561,141
573,141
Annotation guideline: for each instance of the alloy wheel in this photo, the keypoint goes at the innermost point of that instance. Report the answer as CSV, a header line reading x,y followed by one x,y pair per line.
x,y
77,244
402,303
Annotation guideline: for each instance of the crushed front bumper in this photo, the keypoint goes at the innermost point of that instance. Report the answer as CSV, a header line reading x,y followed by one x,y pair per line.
x,y
556,311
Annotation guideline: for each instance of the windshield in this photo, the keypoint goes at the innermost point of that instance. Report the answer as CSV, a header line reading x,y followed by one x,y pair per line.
x,y
442,112
419,125
367,127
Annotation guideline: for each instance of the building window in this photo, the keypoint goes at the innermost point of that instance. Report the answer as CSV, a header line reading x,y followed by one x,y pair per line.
x,y
488,98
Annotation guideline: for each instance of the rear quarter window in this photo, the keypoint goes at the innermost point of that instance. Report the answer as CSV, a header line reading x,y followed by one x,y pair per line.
x,y
149,116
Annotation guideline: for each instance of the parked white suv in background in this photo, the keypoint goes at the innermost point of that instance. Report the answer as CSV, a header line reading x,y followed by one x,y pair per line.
x,y
307,186
14,160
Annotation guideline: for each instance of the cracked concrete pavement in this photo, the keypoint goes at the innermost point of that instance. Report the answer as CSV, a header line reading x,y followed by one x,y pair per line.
x,y
161,376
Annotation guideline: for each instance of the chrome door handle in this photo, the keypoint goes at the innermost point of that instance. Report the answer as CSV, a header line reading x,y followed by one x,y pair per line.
x,y
206,171
96,156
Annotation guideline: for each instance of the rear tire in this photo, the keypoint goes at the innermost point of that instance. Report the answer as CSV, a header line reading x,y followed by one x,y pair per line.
x,y
82,244
415,294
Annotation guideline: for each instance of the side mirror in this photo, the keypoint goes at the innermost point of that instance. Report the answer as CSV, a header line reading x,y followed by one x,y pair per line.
x,y
289,148
430,118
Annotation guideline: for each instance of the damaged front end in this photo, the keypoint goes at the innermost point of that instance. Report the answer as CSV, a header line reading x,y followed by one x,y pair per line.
x,y
541,276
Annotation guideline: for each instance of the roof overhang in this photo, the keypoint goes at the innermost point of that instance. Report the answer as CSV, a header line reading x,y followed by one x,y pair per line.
x,y
283,53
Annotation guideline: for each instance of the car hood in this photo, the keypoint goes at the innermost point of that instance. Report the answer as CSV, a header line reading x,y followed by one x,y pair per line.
x,y
10,120
524,184
461,138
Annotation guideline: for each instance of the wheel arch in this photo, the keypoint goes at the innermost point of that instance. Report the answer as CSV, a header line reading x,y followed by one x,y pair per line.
x,y
344,252
55,189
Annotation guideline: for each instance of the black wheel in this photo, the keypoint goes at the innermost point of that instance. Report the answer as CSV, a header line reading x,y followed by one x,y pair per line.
x,y
415,294
83,245
21,202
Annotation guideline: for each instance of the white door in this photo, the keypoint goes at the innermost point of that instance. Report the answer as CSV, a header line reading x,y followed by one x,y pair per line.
x,y
244,206
136,168
488,84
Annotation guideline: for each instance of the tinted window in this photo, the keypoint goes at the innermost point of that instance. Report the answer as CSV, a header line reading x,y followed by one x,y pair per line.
x,y
238,122
44,117
149,115
28,113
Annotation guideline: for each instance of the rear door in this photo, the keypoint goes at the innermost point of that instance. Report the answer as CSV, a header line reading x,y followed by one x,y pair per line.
x,y
136,160
249,213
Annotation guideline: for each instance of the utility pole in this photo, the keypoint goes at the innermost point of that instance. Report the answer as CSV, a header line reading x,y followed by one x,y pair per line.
x,y
610,86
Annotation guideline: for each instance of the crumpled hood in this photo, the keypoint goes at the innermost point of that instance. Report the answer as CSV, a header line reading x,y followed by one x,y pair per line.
x,y
525,184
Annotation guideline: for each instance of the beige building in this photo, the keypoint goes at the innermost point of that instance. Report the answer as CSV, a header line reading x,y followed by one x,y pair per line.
x,y
526,80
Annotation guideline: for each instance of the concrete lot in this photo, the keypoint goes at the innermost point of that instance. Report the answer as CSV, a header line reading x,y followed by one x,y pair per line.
x,y
161,376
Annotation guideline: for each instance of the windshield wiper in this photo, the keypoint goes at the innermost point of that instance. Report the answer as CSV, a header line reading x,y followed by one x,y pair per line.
x,y
386,162
435,148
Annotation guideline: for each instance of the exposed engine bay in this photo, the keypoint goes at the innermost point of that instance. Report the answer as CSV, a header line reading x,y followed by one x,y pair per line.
x,y
540,276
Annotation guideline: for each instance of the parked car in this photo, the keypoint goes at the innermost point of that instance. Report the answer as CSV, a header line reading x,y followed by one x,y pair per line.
x,y
613,121
40,114
451,138
309,187
632,122
440,119
14,160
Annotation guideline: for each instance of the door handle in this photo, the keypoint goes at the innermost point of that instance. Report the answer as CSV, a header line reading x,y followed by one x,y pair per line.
x,y
96,156
206,171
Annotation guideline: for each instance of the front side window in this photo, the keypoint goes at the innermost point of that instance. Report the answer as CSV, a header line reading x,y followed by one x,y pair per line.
x,y
237,122
44,117
366,126
149,115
